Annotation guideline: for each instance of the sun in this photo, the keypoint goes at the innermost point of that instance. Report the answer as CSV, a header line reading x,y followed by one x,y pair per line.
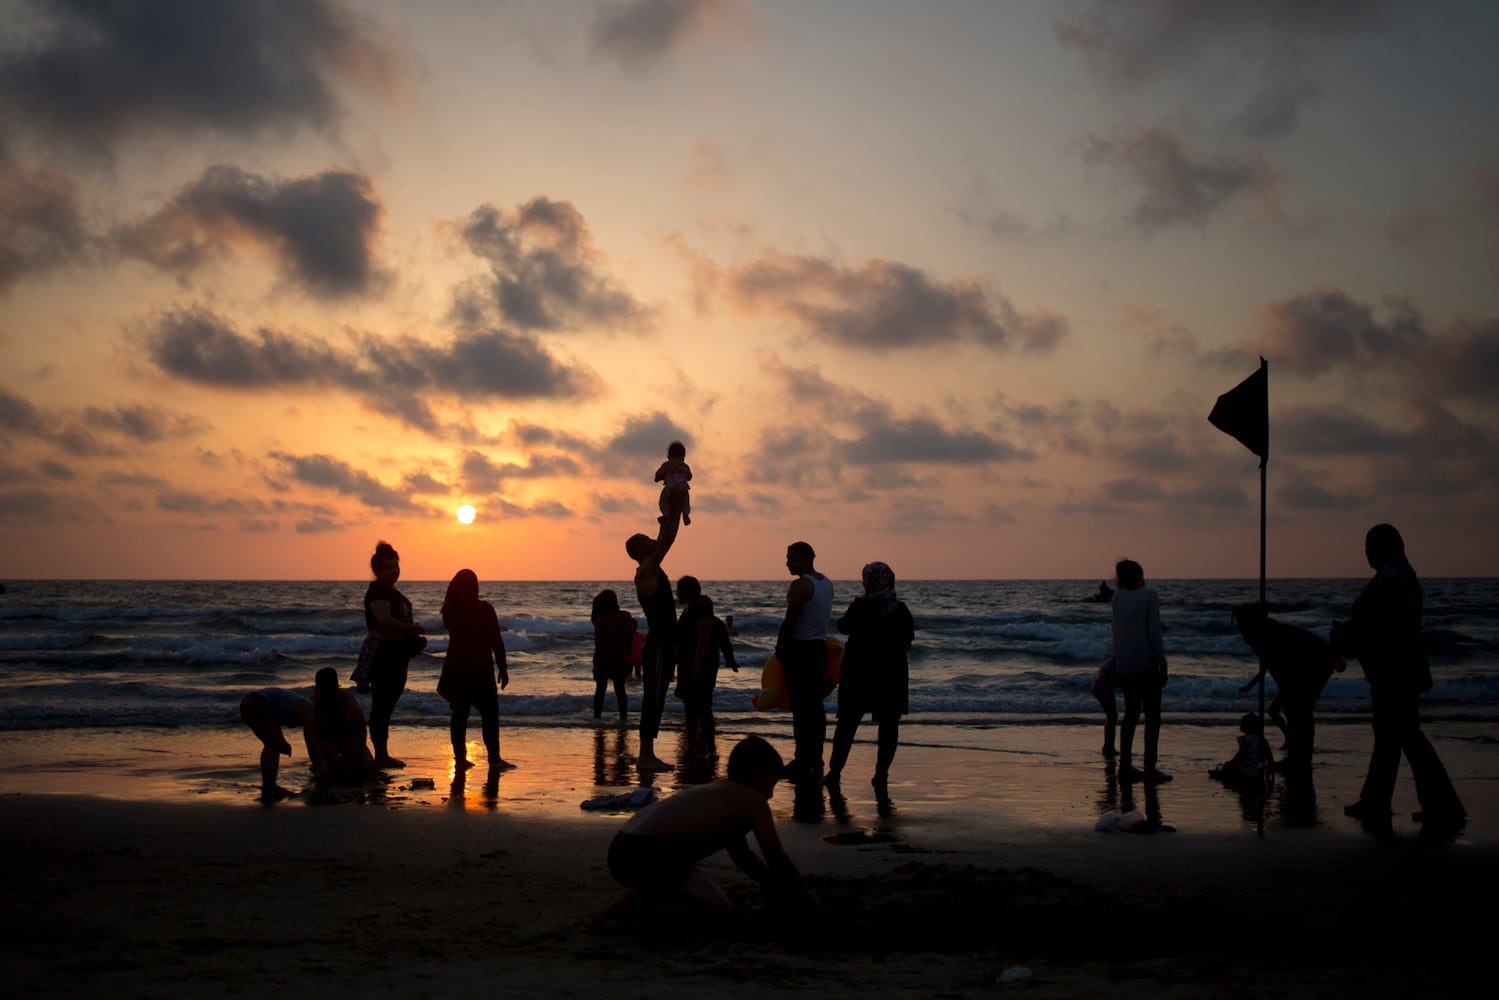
x,y
466,514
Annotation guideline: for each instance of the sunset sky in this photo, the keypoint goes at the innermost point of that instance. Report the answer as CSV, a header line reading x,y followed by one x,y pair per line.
x,y
952,285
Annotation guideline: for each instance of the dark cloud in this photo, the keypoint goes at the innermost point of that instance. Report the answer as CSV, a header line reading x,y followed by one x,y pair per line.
x,y
423,482
545,271
884,305
1464,361
1275,109
856,429
639,34
922,440
1313,332
56,470
322,230
197,346
1329,430
646,437
41,222
73,431
327,472
93,71
1131,45
390,376
1300,492
146,424
1176,187
481,475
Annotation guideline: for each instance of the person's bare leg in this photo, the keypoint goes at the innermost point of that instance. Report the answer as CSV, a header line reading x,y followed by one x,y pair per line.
x,y
648,761
272,746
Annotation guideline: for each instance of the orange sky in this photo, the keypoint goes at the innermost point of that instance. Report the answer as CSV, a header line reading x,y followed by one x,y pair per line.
x,y
949,286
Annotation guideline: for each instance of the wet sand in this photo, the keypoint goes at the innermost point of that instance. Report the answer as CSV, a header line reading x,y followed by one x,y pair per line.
x,y
175,883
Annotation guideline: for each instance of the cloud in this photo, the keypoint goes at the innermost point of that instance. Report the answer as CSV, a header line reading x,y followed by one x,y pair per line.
x,y
884,305
859,430
1313,332
1128,46
1177,188
918,439
1329,430
73,430
322,230
646,437
1301,492
1275,109
641,34
327,472
545,270
480,475
94,72
390,376
146,424
41,222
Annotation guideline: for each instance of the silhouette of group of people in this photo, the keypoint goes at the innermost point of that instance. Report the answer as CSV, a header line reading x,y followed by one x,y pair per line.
x,y
335,731
1383,632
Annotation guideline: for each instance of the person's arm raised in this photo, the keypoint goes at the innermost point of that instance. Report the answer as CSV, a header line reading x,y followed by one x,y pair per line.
x,y
666,537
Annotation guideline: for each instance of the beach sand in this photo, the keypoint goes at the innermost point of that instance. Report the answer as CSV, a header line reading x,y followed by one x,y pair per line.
x,y
132,872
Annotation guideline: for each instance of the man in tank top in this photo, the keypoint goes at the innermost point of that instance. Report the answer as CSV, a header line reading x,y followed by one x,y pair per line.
x,y
658,656
802,648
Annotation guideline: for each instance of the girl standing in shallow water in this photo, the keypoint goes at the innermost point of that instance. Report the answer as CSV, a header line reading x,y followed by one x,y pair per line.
x,y
475,648
1139,668
387,612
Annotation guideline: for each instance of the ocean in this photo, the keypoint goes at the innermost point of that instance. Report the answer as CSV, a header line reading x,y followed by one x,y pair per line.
x,y
179,654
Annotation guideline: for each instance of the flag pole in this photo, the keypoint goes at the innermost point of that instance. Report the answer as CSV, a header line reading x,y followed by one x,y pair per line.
x,y
1264,607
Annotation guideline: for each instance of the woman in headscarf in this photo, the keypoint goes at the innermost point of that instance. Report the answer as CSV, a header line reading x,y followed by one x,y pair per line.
x,y
1385,634
468,671
875,674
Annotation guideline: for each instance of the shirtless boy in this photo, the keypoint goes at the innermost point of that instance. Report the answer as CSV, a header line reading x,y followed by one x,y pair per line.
x,y
655,854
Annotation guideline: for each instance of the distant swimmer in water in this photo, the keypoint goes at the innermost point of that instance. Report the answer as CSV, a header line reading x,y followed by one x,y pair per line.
x,y
1105,594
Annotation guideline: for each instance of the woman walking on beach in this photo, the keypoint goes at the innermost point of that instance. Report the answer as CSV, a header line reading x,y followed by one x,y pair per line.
x,y
397,638
475,649
1385,634
1139,667
613,635
875,676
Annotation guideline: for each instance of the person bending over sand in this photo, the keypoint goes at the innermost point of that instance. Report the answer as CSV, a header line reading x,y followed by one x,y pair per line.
x,y
266,711
655,854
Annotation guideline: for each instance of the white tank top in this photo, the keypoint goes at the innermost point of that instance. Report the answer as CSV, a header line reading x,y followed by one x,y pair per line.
x,y
812,623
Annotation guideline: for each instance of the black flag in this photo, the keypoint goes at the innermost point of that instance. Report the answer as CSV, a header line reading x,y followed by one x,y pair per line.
x,y
1243,412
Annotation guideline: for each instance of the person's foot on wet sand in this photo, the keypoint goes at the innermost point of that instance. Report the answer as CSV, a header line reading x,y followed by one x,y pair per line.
x,y
275,794
389,761
462,763
1156,776
501,764
1109,752
653,763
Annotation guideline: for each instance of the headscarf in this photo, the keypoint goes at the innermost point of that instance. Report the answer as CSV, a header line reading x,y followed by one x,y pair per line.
x,y
462,600
879,586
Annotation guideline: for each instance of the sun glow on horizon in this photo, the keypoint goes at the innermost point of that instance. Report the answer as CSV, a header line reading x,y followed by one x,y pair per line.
x,y
466,514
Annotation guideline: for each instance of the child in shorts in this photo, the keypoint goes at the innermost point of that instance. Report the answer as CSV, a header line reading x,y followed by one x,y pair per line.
x,y
655,854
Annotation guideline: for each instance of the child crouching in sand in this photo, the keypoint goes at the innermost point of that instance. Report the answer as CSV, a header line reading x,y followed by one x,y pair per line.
x,y
655,854
1251,764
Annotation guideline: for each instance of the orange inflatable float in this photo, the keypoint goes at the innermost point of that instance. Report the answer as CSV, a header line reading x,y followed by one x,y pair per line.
x,y
773,681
